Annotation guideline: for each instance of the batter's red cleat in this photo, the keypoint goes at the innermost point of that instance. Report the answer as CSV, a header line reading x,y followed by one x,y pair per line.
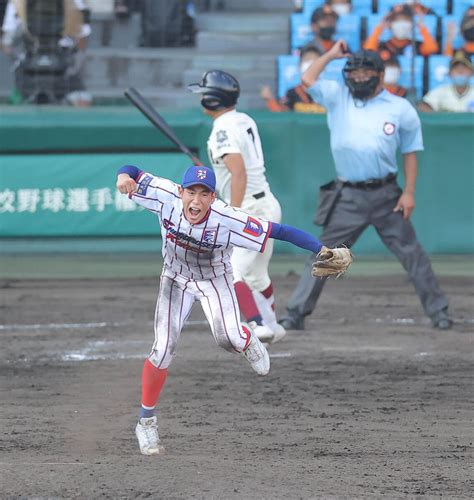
x,y
256,353
148,438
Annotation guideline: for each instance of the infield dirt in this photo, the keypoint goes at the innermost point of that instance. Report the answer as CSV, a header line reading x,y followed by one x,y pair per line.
x,y
369,401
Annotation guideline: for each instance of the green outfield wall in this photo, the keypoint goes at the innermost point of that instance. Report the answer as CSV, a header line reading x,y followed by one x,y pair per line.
x,y
57,172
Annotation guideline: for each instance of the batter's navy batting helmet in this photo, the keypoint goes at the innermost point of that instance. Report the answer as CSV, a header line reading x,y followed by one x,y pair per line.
x,y
219,90
363,59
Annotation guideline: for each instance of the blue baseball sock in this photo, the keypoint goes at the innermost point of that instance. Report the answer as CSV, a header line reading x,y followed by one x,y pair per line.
x,y
146,413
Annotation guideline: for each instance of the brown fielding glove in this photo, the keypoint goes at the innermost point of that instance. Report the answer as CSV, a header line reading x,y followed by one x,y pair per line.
x,y
332,262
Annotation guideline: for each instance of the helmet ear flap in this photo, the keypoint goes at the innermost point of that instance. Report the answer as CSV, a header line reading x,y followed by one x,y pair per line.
x,y
215,100
211,101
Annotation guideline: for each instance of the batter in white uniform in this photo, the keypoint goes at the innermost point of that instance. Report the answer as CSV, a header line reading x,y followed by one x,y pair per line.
x,y
235,152
199,234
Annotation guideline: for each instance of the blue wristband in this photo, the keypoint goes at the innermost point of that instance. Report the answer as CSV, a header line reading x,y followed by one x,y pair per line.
x,y
131,170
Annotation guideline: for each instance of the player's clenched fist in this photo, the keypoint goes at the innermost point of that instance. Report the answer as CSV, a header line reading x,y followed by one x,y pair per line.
x,y
338,50
125,184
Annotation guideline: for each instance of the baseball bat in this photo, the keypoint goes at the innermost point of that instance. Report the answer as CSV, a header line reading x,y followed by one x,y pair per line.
x,y
159,122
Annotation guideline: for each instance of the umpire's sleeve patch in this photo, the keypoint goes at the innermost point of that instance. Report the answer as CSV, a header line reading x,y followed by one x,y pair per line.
x,y
143,186
253,227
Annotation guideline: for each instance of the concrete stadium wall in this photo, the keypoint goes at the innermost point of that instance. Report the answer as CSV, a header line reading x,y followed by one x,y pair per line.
x,y
58,172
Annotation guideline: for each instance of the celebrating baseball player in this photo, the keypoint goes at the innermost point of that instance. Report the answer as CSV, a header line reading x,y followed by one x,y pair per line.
x,y
235,153
199,233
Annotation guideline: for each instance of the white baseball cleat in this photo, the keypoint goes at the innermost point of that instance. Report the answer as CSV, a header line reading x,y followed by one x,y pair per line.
x,y
256,354
263,332
147,434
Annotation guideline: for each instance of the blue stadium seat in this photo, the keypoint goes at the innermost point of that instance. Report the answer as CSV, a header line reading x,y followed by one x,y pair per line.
x,y
438,71
361,7
348,27
439,6
460,6
289,72
372,21
405,78
458,40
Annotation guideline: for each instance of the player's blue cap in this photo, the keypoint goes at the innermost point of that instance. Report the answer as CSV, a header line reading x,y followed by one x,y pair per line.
x,y
199,175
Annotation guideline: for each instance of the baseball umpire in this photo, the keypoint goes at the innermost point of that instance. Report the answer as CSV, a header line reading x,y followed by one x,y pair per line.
x,y
367,125
236,155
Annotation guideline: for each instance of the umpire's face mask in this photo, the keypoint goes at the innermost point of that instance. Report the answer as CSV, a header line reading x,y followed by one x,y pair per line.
x,y
362,83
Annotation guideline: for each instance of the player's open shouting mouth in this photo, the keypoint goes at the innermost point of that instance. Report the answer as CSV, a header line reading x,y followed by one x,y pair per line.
x,y
197,201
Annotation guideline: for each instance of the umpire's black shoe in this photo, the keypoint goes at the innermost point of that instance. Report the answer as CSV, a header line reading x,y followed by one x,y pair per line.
x,y
292,322
441,320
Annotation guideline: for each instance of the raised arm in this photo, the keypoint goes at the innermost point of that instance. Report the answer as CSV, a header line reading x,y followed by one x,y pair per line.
x,y
337,51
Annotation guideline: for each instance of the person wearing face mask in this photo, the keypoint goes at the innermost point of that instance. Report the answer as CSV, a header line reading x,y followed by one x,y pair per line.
x,y
467,31
340,7
367,126
296,98
457,96
323,25
400,22
392,74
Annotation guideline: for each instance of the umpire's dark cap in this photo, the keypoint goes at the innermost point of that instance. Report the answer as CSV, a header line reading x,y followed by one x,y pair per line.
x,y
364,59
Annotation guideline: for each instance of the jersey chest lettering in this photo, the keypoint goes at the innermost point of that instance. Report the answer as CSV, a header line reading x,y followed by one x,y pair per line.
x,y
189,242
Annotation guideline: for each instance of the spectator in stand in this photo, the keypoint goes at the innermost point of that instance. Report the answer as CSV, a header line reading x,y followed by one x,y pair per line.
x,y
296,98
400,22
457,96
340,7
392,74
323,25
467,31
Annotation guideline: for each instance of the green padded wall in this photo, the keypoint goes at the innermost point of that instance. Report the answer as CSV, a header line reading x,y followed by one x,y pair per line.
x,y
45,149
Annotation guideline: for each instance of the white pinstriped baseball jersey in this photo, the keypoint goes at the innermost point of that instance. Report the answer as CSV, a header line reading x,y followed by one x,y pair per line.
x,y
235,132
199,251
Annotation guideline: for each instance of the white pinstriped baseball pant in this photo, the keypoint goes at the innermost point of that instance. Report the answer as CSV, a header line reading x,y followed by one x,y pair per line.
x,y
175,300
251,266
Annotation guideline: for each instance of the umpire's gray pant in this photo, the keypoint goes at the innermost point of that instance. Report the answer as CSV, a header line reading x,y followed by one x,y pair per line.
x,y
354,211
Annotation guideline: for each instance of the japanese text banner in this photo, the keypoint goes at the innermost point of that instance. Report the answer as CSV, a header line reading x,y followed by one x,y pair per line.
x,y
75,194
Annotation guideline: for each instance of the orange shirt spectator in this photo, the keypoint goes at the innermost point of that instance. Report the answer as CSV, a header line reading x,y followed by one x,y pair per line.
x,y
297,98
392,75
400,22
467,31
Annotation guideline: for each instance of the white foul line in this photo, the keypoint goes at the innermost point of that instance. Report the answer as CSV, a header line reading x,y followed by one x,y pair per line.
x,y
83,326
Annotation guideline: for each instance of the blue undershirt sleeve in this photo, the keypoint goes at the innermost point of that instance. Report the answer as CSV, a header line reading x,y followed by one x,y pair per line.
x,y
295,236
131,170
